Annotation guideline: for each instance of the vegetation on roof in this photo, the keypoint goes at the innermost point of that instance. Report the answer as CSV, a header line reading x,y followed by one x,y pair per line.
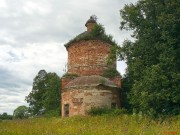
x,y
97,33
93,80
111,72
69,75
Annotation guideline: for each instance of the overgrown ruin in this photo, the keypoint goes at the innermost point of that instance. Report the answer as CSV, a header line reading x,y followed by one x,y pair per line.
x,y
84,87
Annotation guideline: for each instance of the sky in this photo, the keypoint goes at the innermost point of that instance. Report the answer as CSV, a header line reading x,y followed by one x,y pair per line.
x,y
33,34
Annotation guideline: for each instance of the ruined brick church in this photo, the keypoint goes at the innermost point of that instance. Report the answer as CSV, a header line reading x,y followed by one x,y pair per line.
x,y
84,86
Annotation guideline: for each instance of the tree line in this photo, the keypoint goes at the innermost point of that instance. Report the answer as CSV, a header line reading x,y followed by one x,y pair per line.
x,y
151,83
5,116
44,98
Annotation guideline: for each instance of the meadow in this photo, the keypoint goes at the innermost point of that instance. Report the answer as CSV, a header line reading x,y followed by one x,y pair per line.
x,y
92,125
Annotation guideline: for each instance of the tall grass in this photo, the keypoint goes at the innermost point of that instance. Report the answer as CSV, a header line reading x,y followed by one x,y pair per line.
x,y
91,125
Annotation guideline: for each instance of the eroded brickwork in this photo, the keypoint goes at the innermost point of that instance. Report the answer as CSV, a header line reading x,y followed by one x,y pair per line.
x,y
81,100
116,80
90,26
88,57
64,82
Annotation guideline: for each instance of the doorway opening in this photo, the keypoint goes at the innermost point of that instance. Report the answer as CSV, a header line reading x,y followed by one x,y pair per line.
x,y
66,110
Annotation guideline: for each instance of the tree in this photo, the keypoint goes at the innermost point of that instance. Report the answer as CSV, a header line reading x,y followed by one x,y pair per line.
x,y
52,95
5,116
153,58
45,95
35,97
21,112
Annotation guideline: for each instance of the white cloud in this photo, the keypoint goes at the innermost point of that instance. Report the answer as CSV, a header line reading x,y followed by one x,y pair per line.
x,y
33,57
3,4
37,7
20,67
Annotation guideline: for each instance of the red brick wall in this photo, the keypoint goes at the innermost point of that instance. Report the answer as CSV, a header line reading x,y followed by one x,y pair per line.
x,y
88,57
65,81
117,81
81,100
90,26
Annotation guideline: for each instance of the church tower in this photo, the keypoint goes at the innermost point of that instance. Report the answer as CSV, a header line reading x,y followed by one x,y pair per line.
x,y
84,86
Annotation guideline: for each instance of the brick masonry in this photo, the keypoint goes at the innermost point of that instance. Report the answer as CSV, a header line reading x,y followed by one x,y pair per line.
x,y
90,26
81,100
88,57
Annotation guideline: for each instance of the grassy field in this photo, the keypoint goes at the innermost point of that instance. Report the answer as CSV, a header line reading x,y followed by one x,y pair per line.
x,y
91,125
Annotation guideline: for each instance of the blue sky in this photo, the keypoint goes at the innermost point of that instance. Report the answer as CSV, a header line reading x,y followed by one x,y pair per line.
x,y
33,34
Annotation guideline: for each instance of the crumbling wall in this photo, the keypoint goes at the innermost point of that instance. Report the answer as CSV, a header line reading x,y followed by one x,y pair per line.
x,y
81,100
88,57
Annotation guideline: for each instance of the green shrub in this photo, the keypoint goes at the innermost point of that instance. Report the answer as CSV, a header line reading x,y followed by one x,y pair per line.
x,y
98,111
106,111
67,75
118,111
53,113
110,72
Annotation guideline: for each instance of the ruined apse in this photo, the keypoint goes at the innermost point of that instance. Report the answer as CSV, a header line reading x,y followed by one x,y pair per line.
x,y
84,86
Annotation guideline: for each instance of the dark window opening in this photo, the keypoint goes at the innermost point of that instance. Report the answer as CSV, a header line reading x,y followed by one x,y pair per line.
x,y
66,110
113,105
